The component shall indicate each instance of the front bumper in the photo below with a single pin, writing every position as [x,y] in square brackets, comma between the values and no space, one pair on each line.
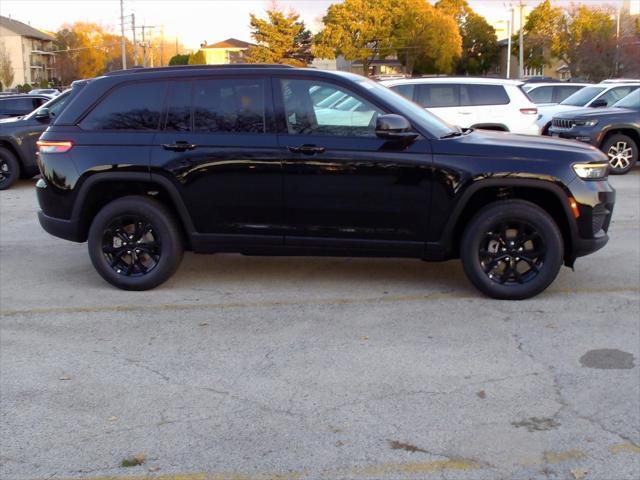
[581,135]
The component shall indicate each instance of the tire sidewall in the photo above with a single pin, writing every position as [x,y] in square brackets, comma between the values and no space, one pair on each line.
[634,149]
[514,210]
[14,168]
[163,224]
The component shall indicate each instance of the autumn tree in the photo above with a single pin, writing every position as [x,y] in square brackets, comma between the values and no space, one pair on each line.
[583,37]
[6,68]
[197,58]
[281,38]
[179,59]
[426,40]
[360,30]
[479,41]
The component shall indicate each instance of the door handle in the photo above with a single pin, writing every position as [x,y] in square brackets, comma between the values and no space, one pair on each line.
[179,146]
[465,112]
[307,149]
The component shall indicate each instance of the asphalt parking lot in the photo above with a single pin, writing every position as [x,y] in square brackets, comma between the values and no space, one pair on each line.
[261,368]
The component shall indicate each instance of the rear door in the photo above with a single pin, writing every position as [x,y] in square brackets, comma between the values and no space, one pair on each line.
[489,104]
[221,152]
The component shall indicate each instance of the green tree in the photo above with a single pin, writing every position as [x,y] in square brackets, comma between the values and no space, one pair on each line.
[179,60]
[198,58]
[357,29]
[281,38]
[426,40]
[479,42]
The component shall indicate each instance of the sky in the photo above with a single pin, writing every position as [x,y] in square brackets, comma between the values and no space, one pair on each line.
[197,21]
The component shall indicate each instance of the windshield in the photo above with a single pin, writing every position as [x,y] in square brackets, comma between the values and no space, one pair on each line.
[431,123]
[630,101]
[583,96]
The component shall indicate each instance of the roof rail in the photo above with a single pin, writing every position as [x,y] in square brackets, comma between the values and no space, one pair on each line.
[195,67]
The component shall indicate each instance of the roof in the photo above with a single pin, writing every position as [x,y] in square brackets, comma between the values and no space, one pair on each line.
[23,29]
[474,80]
[229,43]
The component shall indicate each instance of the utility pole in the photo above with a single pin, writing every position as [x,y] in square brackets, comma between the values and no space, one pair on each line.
[122,44]
[617,69]
[521,49]
[135,42]
[161,45]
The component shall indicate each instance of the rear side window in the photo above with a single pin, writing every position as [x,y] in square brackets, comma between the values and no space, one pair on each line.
[476,95]
[134,106]
[229,105]
[560,93]
[405,90]
[438,95]
[541,95]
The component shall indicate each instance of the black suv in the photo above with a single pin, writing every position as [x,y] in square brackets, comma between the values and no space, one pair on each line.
[615,130]
[272,160]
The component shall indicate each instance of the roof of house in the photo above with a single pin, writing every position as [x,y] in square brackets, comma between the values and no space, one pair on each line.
[23,29]
[229,43]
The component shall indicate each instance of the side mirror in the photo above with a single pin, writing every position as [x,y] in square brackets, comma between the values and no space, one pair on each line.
[599,103]
[395,127]
[43,114]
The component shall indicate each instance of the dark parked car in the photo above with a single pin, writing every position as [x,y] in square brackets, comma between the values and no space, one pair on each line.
[18,138]
[615,130]
[18,105]
[145,163]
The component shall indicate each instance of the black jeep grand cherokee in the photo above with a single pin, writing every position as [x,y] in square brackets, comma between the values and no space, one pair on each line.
[271,160]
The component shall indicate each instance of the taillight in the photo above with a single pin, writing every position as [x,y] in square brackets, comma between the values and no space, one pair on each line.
[45,146]
[529,111]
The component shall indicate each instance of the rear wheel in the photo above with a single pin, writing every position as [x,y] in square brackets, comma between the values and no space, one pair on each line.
[622,152]
[135,243]
[512,250]
[9,169]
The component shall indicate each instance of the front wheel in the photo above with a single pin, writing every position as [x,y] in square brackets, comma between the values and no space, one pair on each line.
[9,169]
[622,152]
[512,250]
[135,243]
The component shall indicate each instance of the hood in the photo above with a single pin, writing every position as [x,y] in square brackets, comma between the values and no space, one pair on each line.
[513,147]
[595,112]
[10,120]
[551,110]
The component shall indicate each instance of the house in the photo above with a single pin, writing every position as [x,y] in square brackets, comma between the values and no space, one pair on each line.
[227,51]
[30,52]
[557,70]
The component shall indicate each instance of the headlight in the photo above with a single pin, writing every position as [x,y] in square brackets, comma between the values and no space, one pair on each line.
[585,123]
[591,171]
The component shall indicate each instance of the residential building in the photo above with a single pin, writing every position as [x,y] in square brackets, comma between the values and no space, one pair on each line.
[227,51]
[30,51]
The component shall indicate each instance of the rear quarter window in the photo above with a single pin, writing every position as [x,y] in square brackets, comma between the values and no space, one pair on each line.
[133,106]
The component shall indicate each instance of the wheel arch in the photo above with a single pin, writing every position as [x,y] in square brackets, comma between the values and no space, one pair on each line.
[623,130]
[548,196]
[98,190]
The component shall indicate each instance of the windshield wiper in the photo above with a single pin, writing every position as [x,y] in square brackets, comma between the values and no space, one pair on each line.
[451,134]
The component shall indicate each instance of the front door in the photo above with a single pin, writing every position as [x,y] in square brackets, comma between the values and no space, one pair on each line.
[223,155]
[342,184]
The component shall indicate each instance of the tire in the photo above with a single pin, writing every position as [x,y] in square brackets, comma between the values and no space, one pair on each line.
[135,243]
[9,169]
[622,152]
[511,250]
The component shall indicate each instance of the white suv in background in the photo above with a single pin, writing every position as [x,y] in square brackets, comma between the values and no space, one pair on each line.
[600,95]
[551,93]
[486,103]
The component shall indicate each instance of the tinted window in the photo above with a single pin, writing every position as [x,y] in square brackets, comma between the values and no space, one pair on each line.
[135,106]
[483,95]
[560,93]
[615,94]
[19,105]
[229,105]
[340,112]
[179,107]
[630,101]
[405,90]
[541,95]
[438,95]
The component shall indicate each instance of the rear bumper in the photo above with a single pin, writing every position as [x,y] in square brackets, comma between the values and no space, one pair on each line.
[58,227]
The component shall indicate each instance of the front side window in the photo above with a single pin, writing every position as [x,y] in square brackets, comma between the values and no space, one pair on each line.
[133,106]
[630,101]
[18,105]
[582,96]
[615,94]
[229,105]
[337,111]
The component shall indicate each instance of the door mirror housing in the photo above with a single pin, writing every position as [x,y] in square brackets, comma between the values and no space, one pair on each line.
[599,103]
[43,114]
[395,127]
